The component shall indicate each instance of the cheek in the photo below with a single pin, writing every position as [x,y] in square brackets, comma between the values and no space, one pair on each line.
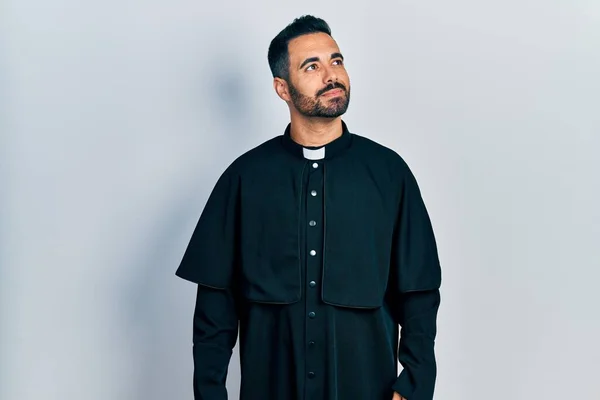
[344,77]
[310,88]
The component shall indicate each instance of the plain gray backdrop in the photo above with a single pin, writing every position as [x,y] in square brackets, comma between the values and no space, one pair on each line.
[117,117]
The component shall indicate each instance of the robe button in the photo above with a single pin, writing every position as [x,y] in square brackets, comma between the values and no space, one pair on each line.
[313,253]
[311,343]
[315,165]
[312,283]
[311,374]
[311,314]
[313,192]
[312,223]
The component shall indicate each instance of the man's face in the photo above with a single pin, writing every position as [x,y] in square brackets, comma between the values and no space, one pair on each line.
[319,85]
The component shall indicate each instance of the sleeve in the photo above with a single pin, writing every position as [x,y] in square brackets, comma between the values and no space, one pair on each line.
[415,279]
[210,261]
[215,335]
[417,317]
[210,257]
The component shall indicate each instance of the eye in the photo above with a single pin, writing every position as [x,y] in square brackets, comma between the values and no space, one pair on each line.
[311,66]
[340,62]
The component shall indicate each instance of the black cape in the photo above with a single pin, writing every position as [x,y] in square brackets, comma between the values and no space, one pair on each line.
[318,262]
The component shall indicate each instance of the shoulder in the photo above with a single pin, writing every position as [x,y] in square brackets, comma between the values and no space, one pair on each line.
[388,164]
[377,153]
[254,157]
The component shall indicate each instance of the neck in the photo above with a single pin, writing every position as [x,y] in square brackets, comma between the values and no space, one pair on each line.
[315,132]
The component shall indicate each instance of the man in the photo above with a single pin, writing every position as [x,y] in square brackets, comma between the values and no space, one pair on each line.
[318,243]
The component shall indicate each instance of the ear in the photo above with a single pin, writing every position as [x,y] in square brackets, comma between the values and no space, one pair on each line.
[282,90]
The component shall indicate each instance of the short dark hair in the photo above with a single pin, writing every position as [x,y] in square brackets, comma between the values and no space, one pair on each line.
[278,56]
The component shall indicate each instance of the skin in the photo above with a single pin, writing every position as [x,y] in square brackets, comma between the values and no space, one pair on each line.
[398,397]
[316,65]
[315,114]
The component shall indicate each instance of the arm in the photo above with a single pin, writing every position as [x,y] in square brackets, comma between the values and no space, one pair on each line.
[417,314]
[415,279]
[215,335]
[210,261]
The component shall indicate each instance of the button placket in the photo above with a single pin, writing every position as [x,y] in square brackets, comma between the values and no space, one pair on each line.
[314,237]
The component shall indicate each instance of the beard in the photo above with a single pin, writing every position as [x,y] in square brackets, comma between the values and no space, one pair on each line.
[321,107]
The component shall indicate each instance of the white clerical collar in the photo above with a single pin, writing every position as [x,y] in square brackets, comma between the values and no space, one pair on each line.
[314,154]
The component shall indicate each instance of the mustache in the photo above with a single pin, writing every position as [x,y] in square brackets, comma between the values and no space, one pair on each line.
[336,85]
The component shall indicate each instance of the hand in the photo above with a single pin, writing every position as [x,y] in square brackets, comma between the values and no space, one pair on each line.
[398,397]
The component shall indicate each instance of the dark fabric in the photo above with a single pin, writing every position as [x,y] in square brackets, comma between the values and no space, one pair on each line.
[417,314]
[375,267]
[215,335]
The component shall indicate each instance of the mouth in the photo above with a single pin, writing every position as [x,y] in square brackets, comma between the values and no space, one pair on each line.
[333,92]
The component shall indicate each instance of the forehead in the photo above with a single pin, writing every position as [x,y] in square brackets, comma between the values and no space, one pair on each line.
[311,45]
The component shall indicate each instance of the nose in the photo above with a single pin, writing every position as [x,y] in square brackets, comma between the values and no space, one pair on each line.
[330,75]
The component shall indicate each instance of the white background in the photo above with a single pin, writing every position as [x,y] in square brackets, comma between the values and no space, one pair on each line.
[117,117]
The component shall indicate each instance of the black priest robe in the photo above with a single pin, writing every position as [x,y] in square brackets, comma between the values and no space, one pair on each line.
[325,259]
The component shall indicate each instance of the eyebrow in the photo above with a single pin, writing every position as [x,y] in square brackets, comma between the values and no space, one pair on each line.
[313,59]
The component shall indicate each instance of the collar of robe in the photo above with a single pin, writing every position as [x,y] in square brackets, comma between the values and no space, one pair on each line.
[331,149]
